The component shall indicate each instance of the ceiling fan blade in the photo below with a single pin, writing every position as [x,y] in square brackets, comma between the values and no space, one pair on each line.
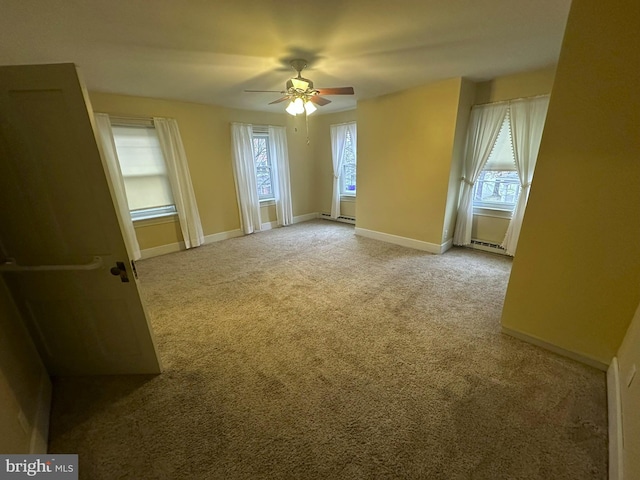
[319,100]
[336,91]
[279,100]
[265,91]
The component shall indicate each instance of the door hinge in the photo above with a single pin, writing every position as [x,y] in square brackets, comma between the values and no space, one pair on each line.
[133,269]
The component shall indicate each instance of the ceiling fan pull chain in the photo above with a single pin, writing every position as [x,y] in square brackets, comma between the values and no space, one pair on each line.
[306,121]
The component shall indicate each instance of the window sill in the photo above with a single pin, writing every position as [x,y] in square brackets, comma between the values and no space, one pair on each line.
[492,212]
[267,202]
[156,220]
[347,198]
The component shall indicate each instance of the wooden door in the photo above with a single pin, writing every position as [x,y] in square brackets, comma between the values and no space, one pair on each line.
[56,209]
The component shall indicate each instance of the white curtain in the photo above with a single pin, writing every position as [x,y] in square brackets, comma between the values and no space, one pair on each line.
[279,155]
[244,174]
[180,180]
[108,148]
[527,119]
[484,126]
[338,137]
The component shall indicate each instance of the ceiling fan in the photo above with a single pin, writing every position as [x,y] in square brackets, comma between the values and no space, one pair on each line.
[302,95]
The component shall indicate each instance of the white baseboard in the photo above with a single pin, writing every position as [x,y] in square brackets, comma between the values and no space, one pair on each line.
[306,217]
[555,349]
[614,407]
[217,237]
[268,226]
[341,218]
[299,219]
[404,241]
[178,246]
[161,250]
[40,433]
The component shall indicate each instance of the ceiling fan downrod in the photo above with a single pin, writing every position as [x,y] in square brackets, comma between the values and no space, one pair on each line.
[298,64]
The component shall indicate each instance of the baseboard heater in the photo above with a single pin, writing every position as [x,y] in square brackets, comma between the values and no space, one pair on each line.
[341,218]
[488,246]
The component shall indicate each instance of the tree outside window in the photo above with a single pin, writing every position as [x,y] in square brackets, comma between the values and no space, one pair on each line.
[264,170]
[348,180]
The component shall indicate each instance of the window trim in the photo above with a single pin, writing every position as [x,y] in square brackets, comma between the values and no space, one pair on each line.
[153,212]
[492,212]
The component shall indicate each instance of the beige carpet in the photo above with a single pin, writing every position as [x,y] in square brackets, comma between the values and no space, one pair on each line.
[307,352]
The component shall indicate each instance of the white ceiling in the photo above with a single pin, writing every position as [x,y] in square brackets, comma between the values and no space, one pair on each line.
[211,51]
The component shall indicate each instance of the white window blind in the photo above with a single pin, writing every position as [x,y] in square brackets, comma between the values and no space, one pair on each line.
[143,170]
[502,157]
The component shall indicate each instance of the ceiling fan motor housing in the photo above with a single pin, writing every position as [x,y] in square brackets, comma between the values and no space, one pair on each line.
[299,84]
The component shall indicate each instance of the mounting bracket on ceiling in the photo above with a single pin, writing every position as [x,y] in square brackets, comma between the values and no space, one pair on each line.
[298,64]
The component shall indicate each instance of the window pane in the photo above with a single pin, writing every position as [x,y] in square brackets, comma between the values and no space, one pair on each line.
[143,168]
[497,189]
[348,177]
[264,173]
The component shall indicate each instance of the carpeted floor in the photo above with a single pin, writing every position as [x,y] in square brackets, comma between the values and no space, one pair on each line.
[307,352]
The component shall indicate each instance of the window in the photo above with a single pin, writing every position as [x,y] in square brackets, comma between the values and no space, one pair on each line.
[144,171]
[348,177]
[264,170]
[498,185]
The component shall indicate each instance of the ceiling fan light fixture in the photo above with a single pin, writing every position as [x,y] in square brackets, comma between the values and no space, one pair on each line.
[295,107]
[299,105]
[291,108]
[309,107]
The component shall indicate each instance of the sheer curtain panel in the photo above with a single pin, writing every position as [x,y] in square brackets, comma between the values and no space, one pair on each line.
[180,180]
[484,126]
[245,177]
[338,136]
[527,117]
[279,152]
[110,156]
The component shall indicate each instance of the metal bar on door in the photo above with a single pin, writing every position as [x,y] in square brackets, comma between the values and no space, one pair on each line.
[11,266]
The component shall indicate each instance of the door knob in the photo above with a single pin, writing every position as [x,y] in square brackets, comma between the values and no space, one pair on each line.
[120,271]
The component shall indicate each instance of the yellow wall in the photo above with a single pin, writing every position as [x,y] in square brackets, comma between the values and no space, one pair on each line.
[518,85]
[268,213]
[405,150]
[206,134]
[22,376]
[490,228]
[156,232]
[628,359]
[574,282]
